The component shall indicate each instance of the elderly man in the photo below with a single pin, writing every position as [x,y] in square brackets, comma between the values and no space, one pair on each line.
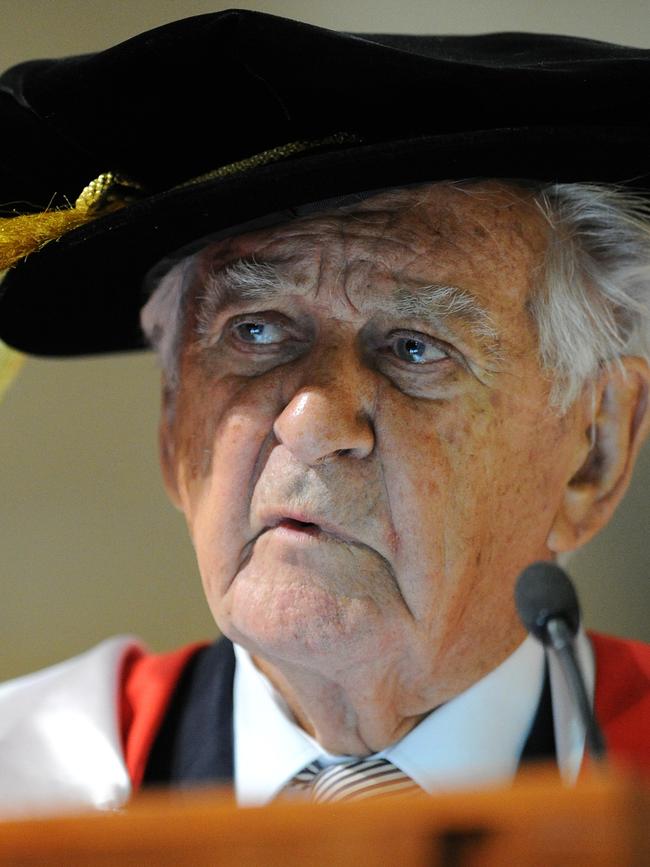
[387,390]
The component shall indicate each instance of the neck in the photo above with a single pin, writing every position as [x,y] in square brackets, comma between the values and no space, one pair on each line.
[344,720]
[354,705]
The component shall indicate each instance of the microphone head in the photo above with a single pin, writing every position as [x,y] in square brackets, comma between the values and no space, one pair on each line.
[543,592]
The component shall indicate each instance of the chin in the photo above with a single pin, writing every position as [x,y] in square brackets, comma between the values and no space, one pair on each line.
[306,626]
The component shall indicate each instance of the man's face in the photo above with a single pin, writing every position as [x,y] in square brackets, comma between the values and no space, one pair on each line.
[363,445]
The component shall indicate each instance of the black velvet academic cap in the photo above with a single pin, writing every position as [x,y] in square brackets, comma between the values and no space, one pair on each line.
[370,112]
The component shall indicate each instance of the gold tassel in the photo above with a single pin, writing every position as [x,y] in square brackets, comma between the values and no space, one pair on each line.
[27,233]
[20,236]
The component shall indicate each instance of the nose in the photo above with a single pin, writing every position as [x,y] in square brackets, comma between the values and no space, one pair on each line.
[327,419]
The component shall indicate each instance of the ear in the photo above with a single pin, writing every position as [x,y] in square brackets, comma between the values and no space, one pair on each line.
[167,447]
[614,419]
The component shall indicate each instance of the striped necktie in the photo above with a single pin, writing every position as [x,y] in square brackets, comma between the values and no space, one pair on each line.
[352,781]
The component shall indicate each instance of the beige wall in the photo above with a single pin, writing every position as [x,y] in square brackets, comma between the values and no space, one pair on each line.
[89,545]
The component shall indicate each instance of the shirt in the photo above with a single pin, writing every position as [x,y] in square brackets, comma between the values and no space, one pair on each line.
[474,739]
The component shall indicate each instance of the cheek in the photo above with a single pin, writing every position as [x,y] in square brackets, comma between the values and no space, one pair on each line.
[522,462]
[222,420]
[434,482]
[430,454]
[219,450]
[197,417]
[471,495]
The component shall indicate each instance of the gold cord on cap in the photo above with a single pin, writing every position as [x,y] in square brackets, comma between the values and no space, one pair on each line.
[273,155]
[107,192]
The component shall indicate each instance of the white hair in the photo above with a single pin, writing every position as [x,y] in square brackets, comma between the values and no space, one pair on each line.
[162,318]
[591,305]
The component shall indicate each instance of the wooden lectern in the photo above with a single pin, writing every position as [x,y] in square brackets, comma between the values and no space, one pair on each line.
[604,821]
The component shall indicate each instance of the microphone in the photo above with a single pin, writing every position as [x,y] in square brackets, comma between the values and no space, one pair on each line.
[548,607]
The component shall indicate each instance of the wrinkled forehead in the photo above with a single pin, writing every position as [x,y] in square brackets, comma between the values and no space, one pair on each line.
[399,228]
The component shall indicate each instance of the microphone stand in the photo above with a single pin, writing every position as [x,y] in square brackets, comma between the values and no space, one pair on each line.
[560,640]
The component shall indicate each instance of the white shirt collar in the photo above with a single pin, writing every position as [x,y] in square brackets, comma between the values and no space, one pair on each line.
[474,739]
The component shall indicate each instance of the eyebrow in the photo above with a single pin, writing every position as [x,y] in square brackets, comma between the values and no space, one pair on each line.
[246,279]
[437,302]
[251,280]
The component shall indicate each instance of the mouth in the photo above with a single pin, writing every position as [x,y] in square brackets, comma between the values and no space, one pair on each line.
[296,530]
[297,526]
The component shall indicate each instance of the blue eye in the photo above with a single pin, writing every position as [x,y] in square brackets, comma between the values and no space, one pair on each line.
[259,333]
[416,350]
